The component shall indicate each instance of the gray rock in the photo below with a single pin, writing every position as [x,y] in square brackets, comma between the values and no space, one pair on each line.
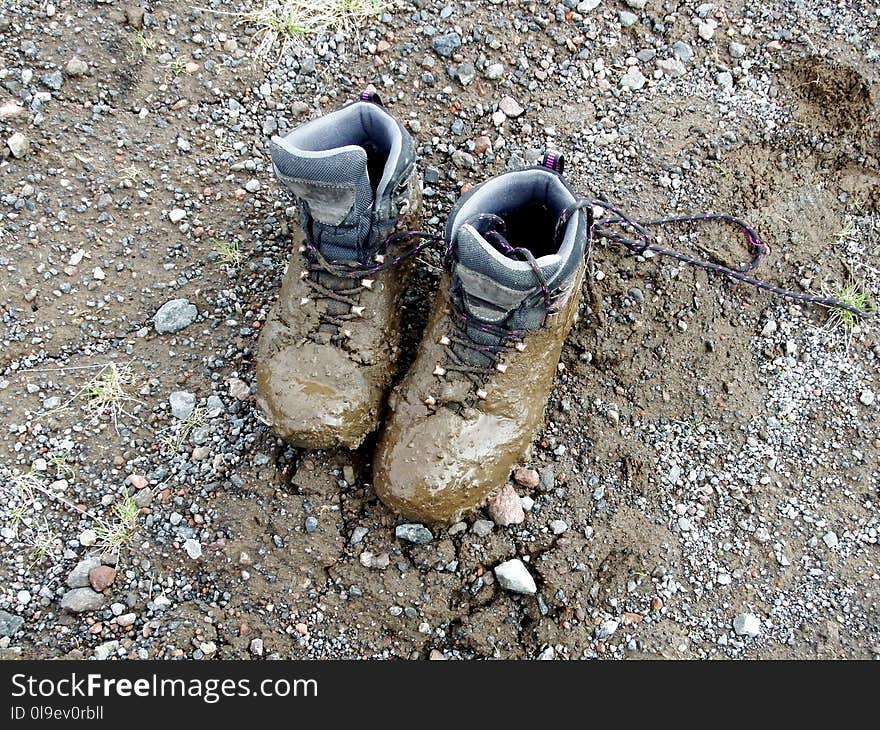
[311,524]
[414,532]
[706,29]
[482,528]
[173,316]
[627,18]
[830,539]
[76,67]
[637,4]
[633,79]
[357,535]
[867,397]
[18,145]
[671,67]
[182,404]
[682,51]
[446,44]
[10,623]
[466,73]
[54,80]
[78,600]
[513,576]
[724,79]
[79,576]
[736,50]
[193,548]
[606,629]
[494,71]
[104,651]
[252,185]
[747,624]
[510,107]
[462,159]
[587,5]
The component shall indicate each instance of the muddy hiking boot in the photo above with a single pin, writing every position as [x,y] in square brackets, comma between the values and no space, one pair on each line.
[329,346]
[475,396]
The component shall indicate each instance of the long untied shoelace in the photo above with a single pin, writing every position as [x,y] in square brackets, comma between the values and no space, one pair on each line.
[609,228]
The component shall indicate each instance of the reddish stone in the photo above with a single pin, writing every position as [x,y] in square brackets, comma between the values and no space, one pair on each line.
[101,577]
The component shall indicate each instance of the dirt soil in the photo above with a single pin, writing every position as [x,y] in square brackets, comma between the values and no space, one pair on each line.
[709,455]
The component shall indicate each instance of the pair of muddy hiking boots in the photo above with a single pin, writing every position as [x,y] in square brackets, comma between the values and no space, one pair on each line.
[474,397]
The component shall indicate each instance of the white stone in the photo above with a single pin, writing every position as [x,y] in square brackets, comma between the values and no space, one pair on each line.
[747,624]
[513,576]
[177,215]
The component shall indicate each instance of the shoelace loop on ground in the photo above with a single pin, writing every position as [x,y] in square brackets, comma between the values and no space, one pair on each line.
[758,249]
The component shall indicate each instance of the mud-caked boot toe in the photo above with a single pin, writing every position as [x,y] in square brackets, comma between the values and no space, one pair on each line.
[329,347]
[474,398]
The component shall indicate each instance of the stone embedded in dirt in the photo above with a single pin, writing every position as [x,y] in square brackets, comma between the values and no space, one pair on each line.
[528,478]
[193,548]
[18,145]
[138,481]
[585,6]
[174,315]
[10,623]
[144,497]
[633,79]
[76,67]
[252,185]
[557,527]
[637,4]
[747,624]
[238,389]
[482,528]
[446,44]
[177,215]
[511,107]
[256,647]
[54,80]
[867,397]
[104,651]
[357,535]
[87,538]
[482,144]
[414,532]
[101,577]
[182,404]
[79,600]
[466,73]
[671,67]
[494,71]
[126,619]
[513,576]
[606,629]
[682,51]
[79,576]
[463,160]
[505,508]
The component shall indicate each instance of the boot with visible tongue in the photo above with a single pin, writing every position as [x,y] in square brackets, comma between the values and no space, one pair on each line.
[329,346]
[474,398]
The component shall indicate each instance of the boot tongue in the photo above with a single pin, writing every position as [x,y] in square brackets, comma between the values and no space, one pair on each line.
[493,289]
[334,186]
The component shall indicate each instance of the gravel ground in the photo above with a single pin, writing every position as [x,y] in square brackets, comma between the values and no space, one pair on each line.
[706,481]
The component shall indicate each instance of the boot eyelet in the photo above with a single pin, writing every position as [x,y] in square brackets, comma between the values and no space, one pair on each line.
[367,283]
[444,340]
[501,367]
[358,311]
[520,346]
[430,401]
[439,370]
[380,259]
[303,301]
[481,394]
